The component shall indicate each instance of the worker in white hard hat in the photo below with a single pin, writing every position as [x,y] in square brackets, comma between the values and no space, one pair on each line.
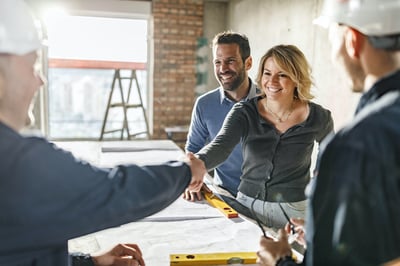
[354,213]
[46,195]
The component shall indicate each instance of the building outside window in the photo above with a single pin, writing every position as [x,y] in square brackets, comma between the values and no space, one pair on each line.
[78,87]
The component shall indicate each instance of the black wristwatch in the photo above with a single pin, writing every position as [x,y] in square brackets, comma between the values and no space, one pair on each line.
[81,259]
[287,260]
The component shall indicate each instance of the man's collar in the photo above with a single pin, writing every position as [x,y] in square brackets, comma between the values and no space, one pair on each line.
[254,91]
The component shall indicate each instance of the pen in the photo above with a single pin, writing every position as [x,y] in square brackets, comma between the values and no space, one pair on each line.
[288,219]
[256,218]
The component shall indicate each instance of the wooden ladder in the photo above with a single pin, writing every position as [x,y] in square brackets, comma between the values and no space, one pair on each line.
[124,105]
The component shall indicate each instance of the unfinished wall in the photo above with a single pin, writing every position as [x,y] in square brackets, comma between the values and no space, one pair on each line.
[271,22]
[215,21]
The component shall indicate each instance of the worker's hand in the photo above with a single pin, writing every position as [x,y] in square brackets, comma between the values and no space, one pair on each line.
[195,196]
[272,250]
[198,169]
[120,255]
[299,229]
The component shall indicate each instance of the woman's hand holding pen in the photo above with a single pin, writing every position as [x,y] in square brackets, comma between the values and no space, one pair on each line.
[271,250]
[297,225]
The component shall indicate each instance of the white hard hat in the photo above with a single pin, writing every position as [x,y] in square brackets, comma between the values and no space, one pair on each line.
[370,17]
[18,34]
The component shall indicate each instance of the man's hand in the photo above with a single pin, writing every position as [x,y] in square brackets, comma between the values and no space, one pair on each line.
[198,169]
[272,250]
[195,196]
[120,255]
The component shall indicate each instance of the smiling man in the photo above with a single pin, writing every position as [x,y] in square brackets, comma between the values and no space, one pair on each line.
[232,61]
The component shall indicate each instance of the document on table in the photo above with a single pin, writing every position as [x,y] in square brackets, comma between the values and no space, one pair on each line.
[139,146]
[139,152]
[185,210]
[112,153]
[183,227]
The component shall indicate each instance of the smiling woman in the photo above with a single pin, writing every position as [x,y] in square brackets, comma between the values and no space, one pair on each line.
[276,151]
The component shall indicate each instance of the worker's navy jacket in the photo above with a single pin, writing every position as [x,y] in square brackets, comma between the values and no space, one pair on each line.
[355,202]
[47,197]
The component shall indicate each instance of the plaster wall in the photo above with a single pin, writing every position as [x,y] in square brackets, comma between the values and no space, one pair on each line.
[215,21]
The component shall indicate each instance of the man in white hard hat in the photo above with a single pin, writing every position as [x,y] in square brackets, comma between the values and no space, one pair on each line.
[46,195]
[355,197]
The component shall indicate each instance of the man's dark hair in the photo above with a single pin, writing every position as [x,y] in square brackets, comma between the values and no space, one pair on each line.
[228,37]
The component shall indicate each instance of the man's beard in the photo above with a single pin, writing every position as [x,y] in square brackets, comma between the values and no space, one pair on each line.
[236,82]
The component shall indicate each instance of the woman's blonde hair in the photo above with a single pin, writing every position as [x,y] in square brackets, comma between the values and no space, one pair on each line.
[292,61]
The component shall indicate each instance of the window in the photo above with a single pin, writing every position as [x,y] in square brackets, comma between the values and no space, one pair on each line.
[83,52]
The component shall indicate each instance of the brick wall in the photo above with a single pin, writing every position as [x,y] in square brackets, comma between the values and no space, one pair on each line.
[176,30]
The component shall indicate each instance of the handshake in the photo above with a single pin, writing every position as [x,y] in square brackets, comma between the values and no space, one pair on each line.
[198,169]
[194,191]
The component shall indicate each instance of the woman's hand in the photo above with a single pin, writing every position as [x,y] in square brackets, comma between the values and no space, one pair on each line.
[272,250]
[299,229]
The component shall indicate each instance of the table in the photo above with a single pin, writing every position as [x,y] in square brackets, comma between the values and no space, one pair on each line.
[110,153]
[178,134]
[182,228]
